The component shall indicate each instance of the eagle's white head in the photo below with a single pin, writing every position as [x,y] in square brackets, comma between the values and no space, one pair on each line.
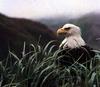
[72,35]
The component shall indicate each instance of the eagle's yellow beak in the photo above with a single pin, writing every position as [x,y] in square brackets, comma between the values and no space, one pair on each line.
[61,31]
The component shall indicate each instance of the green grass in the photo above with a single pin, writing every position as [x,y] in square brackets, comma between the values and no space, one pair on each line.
[37,68]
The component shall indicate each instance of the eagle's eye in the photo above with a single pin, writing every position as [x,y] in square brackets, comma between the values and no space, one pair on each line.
[68,28]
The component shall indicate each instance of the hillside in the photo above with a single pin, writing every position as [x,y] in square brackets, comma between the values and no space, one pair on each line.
[14,31]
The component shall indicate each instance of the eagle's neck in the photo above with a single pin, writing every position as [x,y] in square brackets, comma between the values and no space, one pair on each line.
[72,42]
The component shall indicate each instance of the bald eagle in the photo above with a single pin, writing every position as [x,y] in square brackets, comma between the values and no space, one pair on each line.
[73,47]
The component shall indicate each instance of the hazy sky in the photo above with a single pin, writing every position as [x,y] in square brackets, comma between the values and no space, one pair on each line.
[48,8]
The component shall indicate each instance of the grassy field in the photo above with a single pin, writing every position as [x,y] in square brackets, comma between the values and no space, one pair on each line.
[38,68]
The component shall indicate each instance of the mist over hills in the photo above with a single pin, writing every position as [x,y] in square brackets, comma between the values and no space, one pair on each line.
[54,22]
[89,23]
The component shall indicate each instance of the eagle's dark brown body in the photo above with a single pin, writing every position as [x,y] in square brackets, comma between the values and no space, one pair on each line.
[81,55]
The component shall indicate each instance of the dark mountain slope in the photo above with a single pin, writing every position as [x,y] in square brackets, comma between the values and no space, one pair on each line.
[14,31]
